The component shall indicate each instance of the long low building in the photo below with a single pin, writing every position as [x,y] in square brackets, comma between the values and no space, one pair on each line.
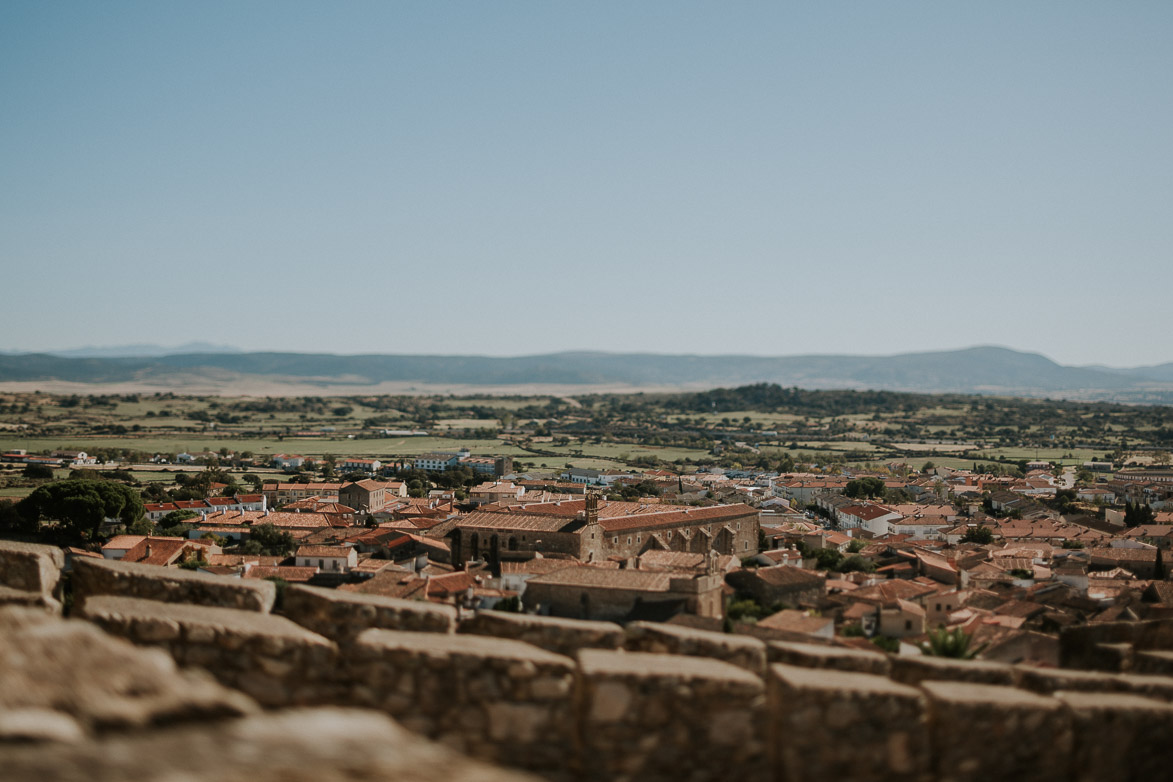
[586,592]
[594,530]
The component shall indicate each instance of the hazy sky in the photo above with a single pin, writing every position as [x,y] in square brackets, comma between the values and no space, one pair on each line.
[511,178]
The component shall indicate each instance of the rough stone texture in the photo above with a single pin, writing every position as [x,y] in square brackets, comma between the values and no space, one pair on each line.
[30,575]
[1049,680]
[170,585]
[652,717]
[914,669]
[342,616]
[31,566]
[830,657]
[984,732]
[495,699]
[1159,687]
[561,636]
[1158,662]
[62,679]
[269,657]
[1119,736]
[310,745]
[740,650]
[20,597]
[1109,645]
[883,727]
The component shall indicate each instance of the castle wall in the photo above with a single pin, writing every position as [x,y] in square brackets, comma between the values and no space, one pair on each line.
[707,710]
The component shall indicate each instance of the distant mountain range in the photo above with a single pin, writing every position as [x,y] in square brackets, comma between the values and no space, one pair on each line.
[142,350]
[979,370]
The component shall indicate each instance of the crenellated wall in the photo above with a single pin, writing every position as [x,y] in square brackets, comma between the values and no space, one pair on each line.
[593,701]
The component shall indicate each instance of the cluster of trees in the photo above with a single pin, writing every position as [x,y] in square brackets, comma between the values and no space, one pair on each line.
[1137,513]
[72,510]
[865,488]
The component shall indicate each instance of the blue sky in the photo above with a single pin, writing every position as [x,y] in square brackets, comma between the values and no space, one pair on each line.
[513,178]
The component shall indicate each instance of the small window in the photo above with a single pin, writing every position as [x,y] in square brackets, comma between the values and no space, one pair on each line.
[629,540]
[938,606]
[747,545]
[615,539]
[907,624]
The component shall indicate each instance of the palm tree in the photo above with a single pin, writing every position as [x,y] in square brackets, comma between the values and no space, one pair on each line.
[950,643]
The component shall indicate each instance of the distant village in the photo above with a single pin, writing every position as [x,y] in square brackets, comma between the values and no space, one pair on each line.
[879,558]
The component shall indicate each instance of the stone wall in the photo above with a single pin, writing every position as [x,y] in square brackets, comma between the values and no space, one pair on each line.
[831,657]
[829,724]
[711,709]
[66,680]
[275,661]
[345,615]
[740,650]
[1111,646]
[665,717]
[169,585]
[30,575]
[495,699]
[322,745]
[561,636]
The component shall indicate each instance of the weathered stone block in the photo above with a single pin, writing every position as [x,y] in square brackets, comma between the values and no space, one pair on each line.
[984,732]
[1153,662]
[740,650]
[1106,645]
[68,678]
[344,615]
[914,669]
[322,745]
[561,636]
[274,660]
[169,585]
[21,597]
[495,699]
[883,725]
[1049,680]
[31,567]
[668,717]
[1119,736]
[829,657]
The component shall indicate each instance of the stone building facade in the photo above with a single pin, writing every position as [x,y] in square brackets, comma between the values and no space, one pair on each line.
[594,530]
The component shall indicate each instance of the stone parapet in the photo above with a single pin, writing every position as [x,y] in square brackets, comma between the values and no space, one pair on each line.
[914,669]
[322,745]
[653,717]
[1110,645]
[983,732]
[169,585]
[268,657]
[828,657]
[1119,736]
[1050,680]
[1153,661]
[63,680]
[30,575]
[21,597]
[883,725]
[740,650]
[561,636]
[494,699]
[342,616]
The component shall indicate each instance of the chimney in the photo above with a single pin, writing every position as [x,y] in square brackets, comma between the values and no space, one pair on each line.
[148,555]
[592,508]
